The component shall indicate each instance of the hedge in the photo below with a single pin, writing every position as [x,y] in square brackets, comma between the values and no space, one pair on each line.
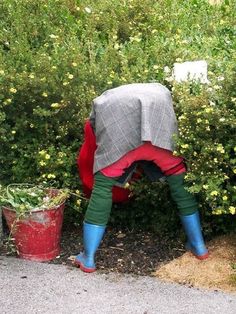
[57,55]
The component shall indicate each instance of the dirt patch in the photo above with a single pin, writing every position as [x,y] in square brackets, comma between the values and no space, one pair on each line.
[127,251]
[218,272]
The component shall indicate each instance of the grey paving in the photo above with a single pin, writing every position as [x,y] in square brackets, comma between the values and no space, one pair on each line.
[29,287]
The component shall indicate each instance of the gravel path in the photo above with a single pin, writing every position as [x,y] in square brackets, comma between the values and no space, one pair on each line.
[29,287]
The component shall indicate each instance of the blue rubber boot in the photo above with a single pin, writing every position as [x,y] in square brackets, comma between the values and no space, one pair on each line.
[192,227]
[92,236]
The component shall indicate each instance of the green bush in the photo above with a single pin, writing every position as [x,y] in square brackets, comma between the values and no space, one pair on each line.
[57,55]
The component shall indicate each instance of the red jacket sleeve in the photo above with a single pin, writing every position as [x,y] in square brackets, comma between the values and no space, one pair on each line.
[85,160]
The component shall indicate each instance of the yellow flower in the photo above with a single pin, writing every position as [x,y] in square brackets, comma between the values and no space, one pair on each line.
[205,186]
[31,76]
[44,94]
[135,38]
[70,76]
[13,132]
[65,83]
[220,149]
[234,170]
[74,64]
[116,46]
[217,211]
[232,210]
[88,10]
[47,156]
[13,90]
[214,193]
[127,185]
[61,154]
[78,202]
[1,72]
[51,176]
[55,105]
[225,198]
[208,110]
[178,60]
[52,36]
[42,163]
[42,152]
[184,145]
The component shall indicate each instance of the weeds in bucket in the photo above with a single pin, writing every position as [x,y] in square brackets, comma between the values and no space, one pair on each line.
[25,199]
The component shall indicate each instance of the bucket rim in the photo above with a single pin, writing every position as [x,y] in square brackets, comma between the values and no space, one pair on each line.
[34,210]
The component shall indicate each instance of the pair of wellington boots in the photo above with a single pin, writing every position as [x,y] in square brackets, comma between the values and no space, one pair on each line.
[93,234]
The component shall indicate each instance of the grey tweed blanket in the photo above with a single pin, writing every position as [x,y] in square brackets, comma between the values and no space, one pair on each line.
[125,117]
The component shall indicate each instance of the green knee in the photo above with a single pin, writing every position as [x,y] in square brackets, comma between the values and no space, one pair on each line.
[99,208]
[186,202]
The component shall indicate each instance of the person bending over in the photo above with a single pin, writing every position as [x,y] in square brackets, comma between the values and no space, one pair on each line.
[132,124]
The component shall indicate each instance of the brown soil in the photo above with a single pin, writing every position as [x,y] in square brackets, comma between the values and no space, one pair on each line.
[144,253]
[127,251]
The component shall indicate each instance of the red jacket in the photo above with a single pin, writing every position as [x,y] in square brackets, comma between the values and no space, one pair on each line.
[85,159]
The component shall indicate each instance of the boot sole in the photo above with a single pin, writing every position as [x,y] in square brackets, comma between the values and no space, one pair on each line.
[83,268]
[201,257]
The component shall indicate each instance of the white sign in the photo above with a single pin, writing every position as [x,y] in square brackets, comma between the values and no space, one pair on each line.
[191,70]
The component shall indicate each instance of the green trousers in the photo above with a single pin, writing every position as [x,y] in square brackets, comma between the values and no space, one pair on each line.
[99,208]
[186,202]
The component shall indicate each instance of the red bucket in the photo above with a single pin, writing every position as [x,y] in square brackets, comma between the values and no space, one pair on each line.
[37,236]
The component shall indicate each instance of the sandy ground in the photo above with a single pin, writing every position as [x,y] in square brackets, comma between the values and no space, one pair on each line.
[218,272]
